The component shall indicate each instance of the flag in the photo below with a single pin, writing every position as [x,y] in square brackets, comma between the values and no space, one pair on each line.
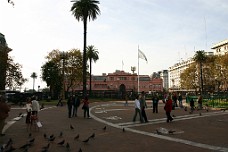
[142,55]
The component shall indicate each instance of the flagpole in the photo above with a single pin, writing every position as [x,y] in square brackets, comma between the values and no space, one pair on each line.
[138,68]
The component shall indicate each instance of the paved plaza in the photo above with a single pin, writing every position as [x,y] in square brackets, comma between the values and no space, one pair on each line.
[113,130]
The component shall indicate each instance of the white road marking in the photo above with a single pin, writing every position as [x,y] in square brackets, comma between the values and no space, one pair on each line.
[185,117]
[12,121]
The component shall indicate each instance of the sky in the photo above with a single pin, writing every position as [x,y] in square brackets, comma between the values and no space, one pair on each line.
[166,31]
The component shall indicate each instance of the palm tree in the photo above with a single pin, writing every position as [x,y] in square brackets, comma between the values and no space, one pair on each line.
[199,58]
[34,76]
[92,55]
[84,10]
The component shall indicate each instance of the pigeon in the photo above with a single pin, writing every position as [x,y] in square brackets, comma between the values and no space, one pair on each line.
[223,109]
[44,150]
[171,131]
[86,141]
[51,136]
[200,114]
[80,150]
[45,136]
[46,147]
[10,141]
[123,129]
[30,135]
[92,136]
[104,128]
[207,110]
[76,137]
[67,146]
[51,139]
[61,134]
[32,140]
[25,146]
[174,116]
[10,149]
[61,142]
[71,127]
[20,114]
[158,132]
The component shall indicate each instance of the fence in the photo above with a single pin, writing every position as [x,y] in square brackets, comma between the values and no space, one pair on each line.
[215,101]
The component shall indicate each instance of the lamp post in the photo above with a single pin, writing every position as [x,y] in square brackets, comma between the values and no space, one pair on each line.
[63,56]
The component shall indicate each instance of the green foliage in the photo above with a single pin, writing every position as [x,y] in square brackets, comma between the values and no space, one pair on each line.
[14,77]
[62,65]
[214,73]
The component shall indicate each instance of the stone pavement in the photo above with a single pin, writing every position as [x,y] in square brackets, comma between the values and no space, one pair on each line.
[201,131]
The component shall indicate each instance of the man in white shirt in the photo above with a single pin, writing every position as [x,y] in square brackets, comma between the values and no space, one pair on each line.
[137,109]
[35,106]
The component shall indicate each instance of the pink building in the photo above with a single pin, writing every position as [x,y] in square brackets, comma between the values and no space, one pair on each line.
[124,82]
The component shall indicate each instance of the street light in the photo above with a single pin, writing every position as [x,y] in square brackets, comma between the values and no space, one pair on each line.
[63,56]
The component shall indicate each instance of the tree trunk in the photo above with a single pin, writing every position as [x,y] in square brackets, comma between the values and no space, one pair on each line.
[90,76]
[33,85]
[84,58]
[201,78]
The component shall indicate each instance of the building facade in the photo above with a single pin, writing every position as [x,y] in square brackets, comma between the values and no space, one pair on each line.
[220,48]
[124,82]
[164,74]
[175,72]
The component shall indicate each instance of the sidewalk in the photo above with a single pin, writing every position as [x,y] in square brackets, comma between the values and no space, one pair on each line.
[209,129]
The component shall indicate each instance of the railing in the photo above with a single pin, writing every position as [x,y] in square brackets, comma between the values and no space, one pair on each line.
[215,101]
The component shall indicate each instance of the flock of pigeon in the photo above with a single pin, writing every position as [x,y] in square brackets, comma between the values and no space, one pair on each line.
[51,139]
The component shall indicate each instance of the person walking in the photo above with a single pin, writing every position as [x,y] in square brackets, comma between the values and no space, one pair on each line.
[76,104]
[85,107]
[35,109]
[192,105]
[4,113]
[180,100]
[155,101]
[137,109]
[28,106]
[60,101]
[168,109]
[174,99]
[35,106]
[200,102]
[126,100]
[143,105]
[69,106]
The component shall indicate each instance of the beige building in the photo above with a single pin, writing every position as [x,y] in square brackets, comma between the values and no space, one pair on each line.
[175,72]
[220,48]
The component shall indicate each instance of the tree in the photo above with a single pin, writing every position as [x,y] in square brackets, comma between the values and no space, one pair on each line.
[188,78]
[92,56]
[14,77]
[70,64]
[51,75]
[4,50]
[73,69]
[33,76]
[84,10]
[199,58]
